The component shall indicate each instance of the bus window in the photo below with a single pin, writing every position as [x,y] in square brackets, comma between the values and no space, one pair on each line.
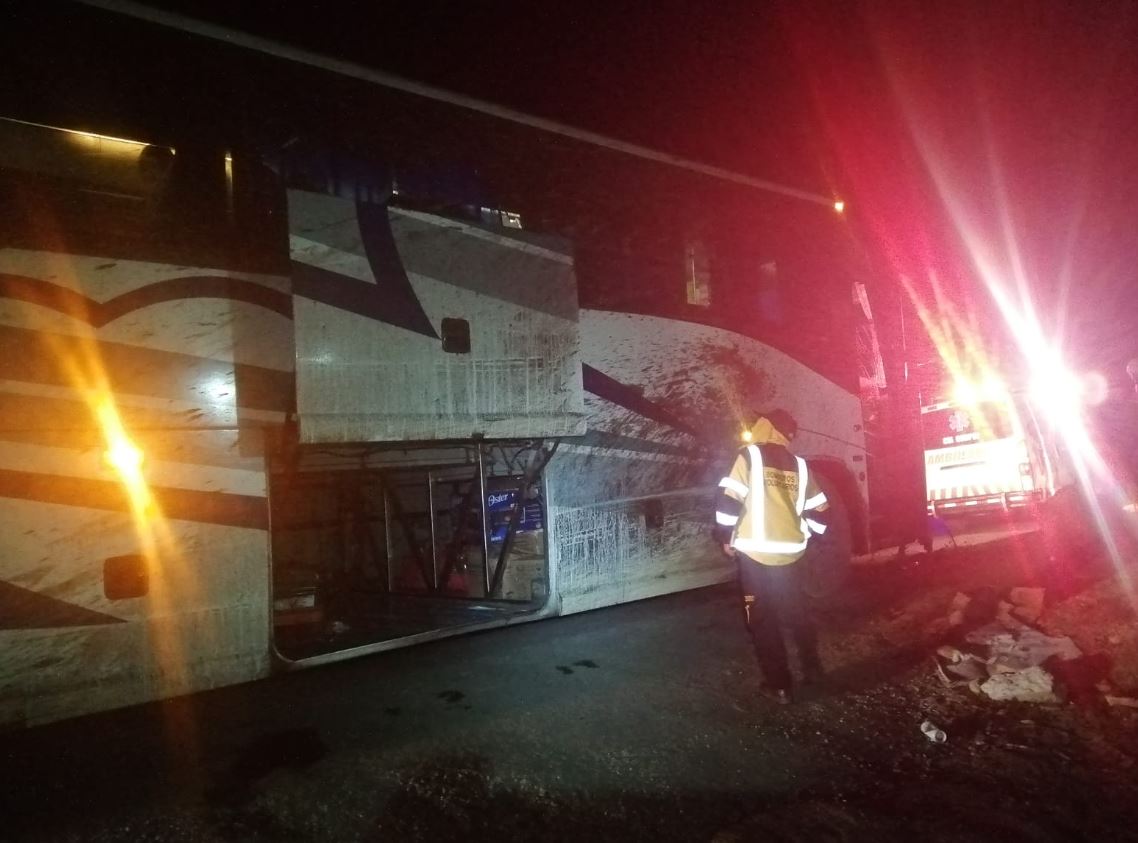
[78,187]
[697,273]
[770,299]
[87,193]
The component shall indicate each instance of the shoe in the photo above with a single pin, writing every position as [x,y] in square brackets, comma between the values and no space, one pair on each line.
[777,695]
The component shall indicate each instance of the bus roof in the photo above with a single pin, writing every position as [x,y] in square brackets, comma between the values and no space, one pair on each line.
[266,46]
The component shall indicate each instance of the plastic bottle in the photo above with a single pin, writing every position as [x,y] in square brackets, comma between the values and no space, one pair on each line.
[933,732]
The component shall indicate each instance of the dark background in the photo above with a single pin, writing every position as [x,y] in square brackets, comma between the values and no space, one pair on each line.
[963,133]
[976,142]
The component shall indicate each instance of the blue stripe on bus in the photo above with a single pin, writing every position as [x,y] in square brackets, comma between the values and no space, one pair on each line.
[630,398]
[21,608]
[223,508]
[97,314]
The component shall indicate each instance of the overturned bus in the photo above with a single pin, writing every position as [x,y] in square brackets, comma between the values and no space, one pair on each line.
[269,410]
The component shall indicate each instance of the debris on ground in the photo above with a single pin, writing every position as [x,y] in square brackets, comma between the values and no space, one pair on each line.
[1017,608]
[996,650]
[1128,702]
[1005,664]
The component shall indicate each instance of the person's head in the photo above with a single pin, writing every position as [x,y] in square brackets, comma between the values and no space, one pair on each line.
[782,421]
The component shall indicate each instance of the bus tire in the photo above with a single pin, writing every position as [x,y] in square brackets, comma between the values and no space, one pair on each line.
[827,557]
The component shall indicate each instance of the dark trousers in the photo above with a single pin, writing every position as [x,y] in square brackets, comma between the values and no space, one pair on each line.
[779,602]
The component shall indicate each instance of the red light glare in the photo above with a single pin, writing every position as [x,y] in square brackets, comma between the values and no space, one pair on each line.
[1095,388]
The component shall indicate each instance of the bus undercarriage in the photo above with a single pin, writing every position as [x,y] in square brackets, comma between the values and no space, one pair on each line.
[371,544]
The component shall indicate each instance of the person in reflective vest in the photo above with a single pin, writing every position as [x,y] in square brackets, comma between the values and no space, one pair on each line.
[769,507]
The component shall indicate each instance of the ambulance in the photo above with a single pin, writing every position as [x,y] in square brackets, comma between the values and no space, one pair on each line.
[985,450]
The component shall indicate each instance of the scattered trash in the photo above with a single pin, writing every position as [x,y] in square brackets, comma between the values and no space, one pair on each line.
[1128,702]
[1016,608]
[933,732]
[1032,684]
[1006,664]
[957,667]
[969,610]
[1021,605]
[996,651]
[1013,650]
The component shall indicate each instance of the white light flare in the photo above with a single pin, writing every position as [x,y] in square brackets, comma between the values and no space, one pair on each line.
[964,392]
[1059,395]
[124,457]
[970,393]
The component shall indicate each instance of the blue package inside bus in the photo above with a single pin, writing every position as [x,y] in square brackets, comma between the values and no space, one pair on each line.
[498,504]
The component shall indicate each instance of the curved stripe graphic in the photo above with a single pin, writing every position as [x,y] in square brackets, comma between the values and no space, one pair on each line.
[97,314]
[394,303]
[387,266]
[21,608]
[141,371]
[604,386]
[223,508]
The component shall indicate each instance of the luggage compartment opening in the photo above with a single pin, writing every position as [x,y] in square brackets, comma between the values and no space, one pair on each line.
[375,543]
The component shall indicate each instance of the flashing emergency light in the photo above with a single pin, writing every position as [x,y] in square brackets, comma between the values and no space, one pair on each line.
[1062,391]
[989,388]
[965,392]
[124,456]
[746,436]
[839,206]
[992,387]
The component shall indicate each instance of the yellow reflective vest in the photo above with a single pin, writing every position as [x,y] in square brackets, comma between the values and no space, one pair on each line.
[771,503]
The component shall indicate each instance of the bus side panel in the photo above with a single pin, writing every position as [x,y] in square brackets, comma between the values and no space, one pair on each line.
[69,650]
[415,327]
[122,585]
[653,539]
[712,380]
[631,505]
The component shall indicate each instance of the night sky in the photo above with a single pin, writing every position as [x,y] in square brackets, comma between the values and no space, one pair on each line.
[973,140]
[1002,130]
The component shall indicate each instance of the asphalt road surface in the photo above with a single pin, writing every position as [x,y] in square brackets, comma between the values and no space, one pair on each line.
[641,722]
[637,703]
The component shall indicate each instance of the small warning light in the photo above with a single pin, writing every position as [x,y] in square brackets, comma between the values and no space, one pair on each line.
[839,206]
